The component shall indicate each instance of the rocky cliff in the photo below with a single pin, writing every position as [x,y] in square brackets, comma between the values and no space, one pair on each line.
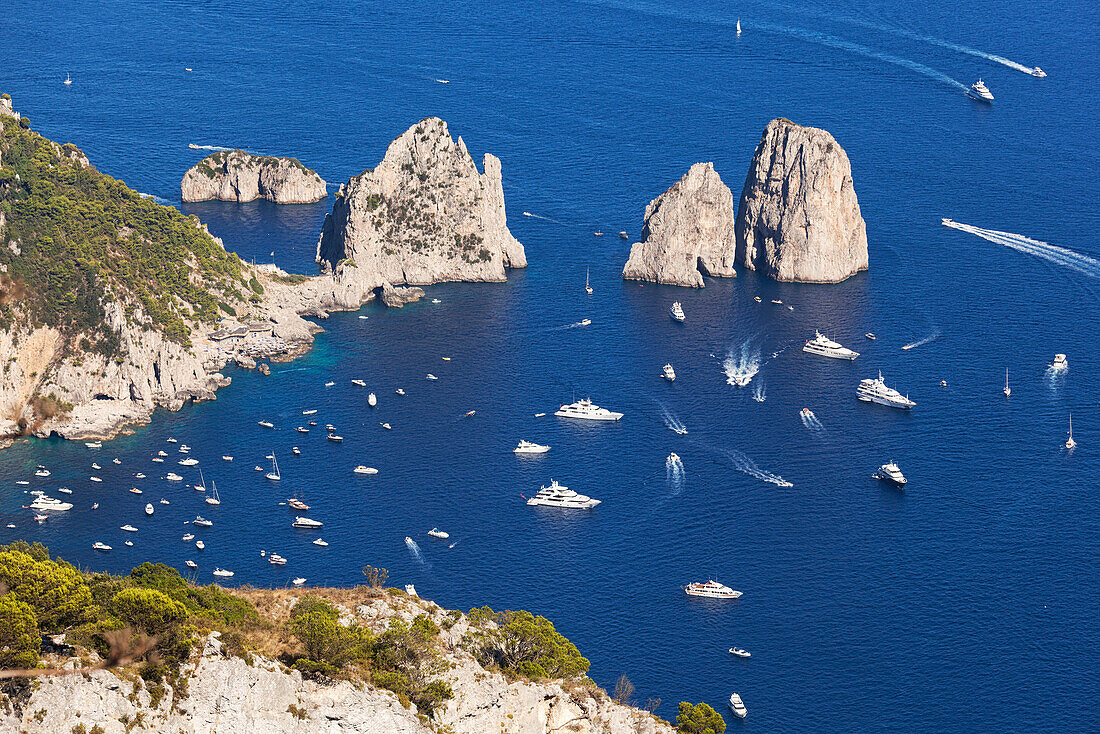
[239,176]
[423,215]
[688,232]
[226,691]
[798,219]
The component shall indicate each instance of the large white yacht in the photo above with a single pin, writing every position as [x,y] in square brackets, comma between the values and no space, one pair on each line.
[737,706]
[677,312]
[42,502]
[668,373]
[305,522]
[529,447]
[876,391]
[584,409]
[711,589]
[826,347]
[979,91]
[889,472]
[558,495]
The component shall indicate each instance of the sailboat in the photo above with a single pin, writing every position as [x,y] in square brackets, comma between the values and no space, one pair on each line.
[68,81]
[1008,390]
[587,287]
[1070,443]
[274,474]
[739,26]
[215,499]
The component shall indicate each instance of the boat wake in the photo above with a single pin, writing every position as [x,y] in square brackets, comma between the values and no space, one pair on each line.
[760,391]
[157,199]
[1052,253]
[414,549]
[741,365]
[674,473]
[546,219]
[672,423]
[811,421]
[744,464]
[945,44]
[923,340]
[192,146]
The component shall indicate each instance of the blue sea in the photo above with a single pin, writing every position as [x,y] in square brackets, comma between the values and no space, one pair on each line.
[968,602]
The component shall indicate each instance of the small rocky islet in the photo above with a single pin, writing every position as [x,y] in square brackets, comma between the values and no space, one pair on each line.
[236,175]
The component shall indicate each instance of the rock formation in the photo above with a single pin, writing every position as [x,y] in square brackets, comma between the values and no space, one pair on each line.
[239,176]
[225,693]
[798,219]
[423,215]
[688,232]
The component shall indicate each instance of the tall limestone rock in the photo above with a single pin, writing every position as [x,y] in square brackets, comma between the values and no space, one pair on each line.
[799,219]
[423,215]
[239,176]
[688,232]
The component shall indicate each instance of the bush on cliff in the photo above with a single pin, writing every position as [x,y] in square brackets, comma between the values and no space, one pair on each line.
[699,719]
[19,637]
[54,589]
[525,645]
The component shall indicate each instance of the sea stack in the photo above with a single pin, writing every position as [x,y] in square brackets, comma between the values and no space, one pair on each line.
[799,220]
[688,232]
[423,215]
[235,175]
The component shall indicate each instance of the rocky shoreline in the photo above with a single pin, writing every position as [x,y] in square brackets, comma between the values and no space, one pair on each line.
[240,176]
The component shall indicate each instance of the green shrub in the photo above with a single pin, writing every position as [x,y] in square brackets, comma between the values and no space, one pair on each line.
[699,719]
[19,637]
[148,610]
[54,589]
[526,645]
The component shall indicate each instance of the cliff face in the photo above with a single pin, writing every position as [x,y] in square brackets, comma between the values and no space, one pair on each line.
[423,215]
[240,176]
[688,232]
[799,219]
[228,694]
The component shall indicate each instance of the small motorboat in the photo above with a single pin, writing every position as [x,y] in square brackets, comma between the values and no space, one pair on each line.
[187,462]
[164,502]
[64,490]
[321,543]
[1008,390]
[1039,73]
[399,391]
[738,706]
[188,538]
[446,359]
[302,429]
[1060,362]
[149,508]
[129,528]
[329,384]
[139,475]
[870,336]
[586,322]
[328,427]
[222,572]
[360,383]
[296,451]
[95,445]
[313,423]
[200,545]
[171,440]
[42,472]
[190,564]
[431,376]
[333,437]
[739,652]
[95,479]
[312,411]
[372,400]
[943,383]
[364,470]
[470,413]
[387,426]
[276,560]
[96,466]
[668,373]
[539,415]
[130,543]
[437,533]
[299,581]
[201,521]
[173,477]
[162,453]
[623,234]
[597,233]
[158,460]
[757,299]
[100,546]
[777,302]
[267,424]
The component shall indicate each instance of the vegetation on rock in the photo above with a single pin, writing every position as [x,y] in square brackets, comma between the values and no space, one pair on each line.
[699,719]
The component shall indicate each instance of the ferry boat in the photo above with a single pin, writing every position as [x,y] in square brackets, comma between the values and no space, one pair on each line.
[668,373]
[365,470]
[527,447]
[1060,362]
[876,391]
[711,589]
[737,706]
[891,474]
[825,347]
[437,533]
[558,495]
[305,522]
[677,312]
[585,410]
[979,91]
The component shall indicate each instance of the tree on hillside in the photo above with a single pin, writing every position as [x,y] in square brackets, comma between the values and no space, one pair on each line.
[699,719]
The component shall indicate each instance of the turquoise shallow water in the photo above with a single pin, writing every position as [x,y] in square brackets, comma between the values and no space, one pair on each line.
[965,603]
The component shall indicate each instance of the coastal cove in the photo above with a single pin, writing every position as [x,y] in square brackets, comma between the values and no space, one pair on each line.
[931,608]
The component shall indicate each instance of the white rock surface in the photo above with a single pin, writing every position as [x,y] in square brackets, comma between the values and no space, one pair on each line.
[239,176]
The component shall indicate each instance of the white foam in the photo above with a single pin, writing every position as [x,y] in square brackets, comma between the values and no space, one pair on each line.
[1052,253]
[760,391]
[923,340]
[748,466]
[811,421]
[742,364]
[674,473]
[671,421]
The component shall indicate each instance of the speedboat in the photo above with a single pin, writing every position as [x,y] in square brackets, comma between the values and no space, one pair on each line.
[1037,72]
[149,508]
[299,581]
[470,413]
[201,521]
[267,424]
[597,233]
[876,391]
[188,538]
[372,400]
[158,460]
[333,437]
[162,453]
[737,706]
[1008,390]
[623,235]
[870,336]
[96,466]
[558,495]
[296,451]
[1060,362]
[188,462]
[329,384]
[825,347]
[164,501]
[527,447]
[100,546]
[305,522]
[585,410]
[321,543]
[711,589]
[586,322]
[360,383]
[190,564]
[129,528]
[739,652]
[200,545]
[95,479]
[677,312]
[399,391]
[309,412]
[979,91]
[365,470]
[173,477]
[302,429]
[276,560]
[139,475]
[387,426]
[757,299]
[432,377]
[807,414]
[64,490]
[891,474]
[668,373]
[437,533]
[94,445]
[42,472]
[222,572]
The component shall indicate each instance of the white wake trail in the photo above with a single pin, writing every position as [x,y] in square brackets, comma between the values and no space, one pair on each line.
[742,364]
[760,391]
[674,473]
[811,421]
[547,219]
[923,340]
[946,44]
[672,423]
[192,146]
[748,466]
[414,549]
[1037,248]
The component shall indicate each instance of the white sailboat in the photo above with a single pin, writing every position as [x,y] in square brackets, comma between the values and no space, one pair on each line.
[1070,443]
[215,499]
[587,287]
[68,80]
[739,26]
[1008,390]
[274,474]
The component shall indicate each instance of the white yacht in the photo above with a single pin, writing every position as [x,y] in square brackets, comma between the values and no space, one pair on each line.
[42,503]
[740,652]
[876,391]
[312,411]
[95,479]
[890,473]
[1008,390]
[1037,72]
[296,451]
[365,470]
[93,444]
[227,457]
[200,545]
[299,581]
[191,564]
[139,475]
[135,490]
[711,589]
[149,508]
[360,383]
[276,560]
[305,522]
[222,572]
[825,347]
[737,706]
[437,533]
[267,424]
[201,521]
[979,91]
[558,495]
[321,543]
[302,429]
[188,461]
[372,400]
[431,376]
[129,528]
[677,312]
[42,471]
[335,438]
[188,537]
[668,373]
[585,410]
[527,447]
[1060,362]
[173,477]
[100,546]
[399,391]
[1070,443]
